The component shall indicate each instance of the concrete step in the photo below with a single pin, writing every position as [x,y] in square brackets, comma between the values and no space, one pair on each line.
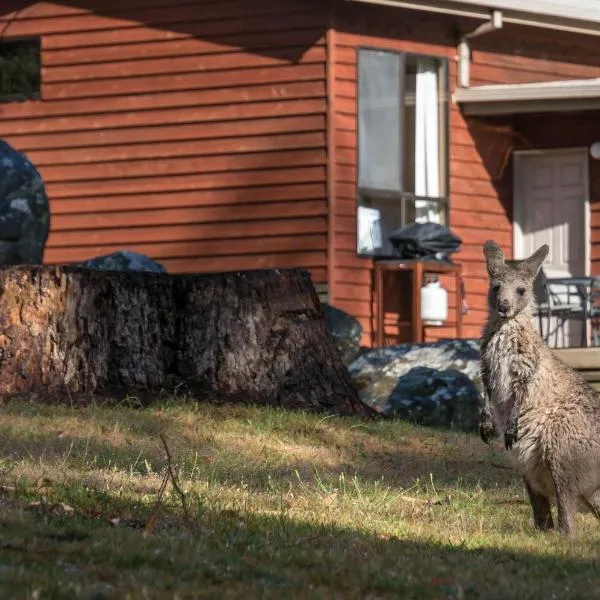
[584,360]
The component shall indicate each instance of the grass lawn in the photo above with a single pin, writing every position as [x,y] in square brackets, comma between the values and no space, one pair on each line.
[276,505]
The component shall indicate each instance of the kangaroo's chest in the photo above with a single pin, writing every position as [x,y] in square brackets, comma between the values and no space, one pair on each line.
[499,357]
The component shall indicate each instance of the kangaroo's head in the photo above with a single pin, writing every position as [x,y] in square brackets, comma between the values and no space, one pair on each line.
[511,281]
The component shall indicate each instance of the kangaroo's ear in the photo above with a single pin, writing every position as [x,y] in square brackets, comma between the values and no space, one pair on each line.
[494,258]
[531,266]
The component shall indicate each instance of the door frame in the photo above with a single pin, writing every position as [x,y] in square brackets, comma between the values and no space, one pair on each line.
[518,195]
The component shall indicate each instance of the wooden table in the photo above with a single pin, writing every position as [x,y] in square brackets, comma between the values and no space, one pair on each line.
[418,269]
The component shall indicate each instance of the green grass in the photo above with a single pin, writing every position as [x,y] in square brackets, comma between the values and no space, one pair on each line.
[279,505]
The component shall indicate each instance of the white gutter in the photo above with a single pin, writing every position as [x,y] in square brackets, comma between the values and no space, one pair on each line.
[435,7]
[582,11]
[555,16]
[502,99]
[464,51]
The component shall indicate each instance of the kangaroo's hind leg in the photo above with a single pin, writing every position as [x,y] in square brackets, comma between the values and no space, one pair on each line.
[566,501]
[542,516]
[593,502]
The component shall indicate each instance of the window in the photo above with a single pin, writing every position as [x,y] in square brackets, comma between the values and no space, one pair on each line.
[402,145]
[19,69]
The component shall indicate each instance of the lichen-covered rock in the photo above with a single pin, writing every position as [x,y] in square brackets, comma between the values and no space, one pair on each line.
[435,384]
[24,209]
[346,332]
[436,398]
[123,260]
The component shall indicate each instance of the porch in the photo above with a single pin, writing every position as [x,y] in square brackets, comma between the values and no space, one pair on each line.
[538,142]
[584,360]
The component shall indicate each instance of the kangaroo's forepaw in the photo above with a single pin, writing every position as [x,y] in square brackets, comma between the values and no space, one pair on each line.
[510,435]
[487,431]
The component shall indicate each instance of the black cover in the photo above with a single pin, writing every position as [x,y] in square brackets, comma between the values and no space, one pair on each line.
[424,241]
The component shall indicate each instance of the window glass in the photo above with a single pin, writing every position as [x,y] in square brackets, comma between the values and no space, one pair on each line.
[402,145]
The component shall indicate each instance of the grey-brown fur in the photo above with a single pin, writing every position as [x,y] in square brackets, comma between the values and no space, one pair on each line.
[547,413]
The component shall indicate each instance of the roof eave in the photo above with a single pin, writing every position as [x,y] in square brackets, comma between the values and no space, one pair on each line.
[517,17]
[512,100]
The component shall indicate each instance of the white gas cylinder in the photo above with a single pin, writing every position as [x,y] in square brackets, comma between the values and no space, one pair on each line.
[434,303]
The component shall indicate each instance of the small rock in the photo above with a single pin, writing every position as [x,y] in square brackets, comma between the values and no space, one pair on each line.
[346,332]
[98,595]
[69,536]
[65,508]
[131,523]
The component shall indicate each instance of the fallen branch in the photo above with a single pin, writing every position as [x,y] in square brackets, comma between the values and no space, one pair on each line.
[168,476]
[173,477]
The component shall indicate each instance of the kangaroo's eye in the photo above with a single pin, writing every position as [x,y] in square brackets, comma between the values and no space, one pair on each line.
[495,288]
[521,291]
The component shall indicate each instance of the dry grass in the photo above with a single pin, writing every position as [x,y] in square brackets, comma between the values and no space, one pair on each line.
[281,505]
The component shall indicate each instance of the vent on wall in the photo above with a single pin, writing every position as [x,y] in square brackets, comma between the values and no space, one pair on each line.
[322,291]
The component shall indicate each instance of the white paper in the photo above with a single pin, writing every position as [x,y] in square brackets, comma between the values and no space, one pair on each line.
[369,229]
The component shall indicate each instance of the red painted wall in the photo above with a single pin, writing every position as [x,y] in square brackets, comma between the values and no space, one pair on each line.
[191,131]
[480,149]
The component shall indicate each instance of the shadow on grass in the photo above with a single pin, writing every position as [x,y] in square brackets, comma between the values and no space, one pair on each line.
[235,554]
[261,461]
[271,545]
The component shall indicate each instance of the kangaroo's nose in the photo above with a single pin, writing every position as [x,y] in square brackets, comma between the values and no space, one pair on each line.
[504,306]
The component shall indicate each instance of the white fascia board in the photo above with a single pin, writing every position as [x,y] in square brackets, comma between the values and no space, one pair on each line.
[576,10]
[572,94]
[577,16]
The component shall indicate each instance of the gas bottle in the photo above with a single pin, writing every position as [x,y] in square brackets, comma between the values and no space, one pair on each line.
[434,303]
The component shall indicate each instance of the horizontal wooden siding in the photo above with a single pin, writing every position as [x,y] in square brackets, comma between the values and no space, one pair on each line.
[194,131]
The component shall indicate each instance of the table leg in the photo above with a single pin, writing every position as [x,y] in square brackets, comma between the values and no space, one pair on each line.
[459,300]
[417,281]
[379,326]
[585,317]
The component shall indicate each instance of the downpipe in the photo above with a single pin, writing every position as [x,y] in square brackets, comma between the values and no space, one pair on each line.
[464,50]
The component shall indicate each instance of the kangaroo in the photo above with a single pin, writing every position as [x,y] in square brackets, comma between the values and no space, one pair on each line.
[547,413]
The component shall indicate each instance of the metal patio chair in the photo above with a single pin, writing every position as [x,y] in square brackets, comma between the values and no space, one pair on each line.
[549,305]
[582,295]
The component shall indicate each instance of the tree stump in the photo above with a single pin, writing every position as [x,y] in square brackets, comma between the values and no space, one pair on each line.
[68,333]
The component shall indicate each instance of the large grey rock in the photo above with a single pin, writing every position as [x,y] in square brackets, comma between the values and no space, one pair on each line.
[124,260]
[435,384]
[346,332]
[24,209]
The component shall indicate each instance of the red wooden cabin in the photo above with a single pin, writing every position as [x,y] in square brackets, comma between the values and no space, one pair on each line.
[221,135]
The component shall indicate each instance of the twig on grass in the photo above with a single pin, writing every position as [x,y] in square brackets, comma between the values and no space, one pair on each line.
[173,477]
[168,476]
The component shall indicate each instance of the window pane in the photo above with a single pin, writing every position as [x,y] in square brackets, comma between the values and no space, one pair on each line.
[427,129]
[402,145]
[425,132]
[19,69]
[379,120]
[410,82]
[429,211]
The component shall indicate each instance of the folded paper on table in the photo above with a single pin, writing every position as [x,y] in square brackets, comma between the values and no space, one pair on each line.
[369,229]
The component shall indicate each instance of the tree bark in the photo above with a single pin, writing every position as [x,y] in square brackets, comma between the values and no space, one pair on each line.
[77,334]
